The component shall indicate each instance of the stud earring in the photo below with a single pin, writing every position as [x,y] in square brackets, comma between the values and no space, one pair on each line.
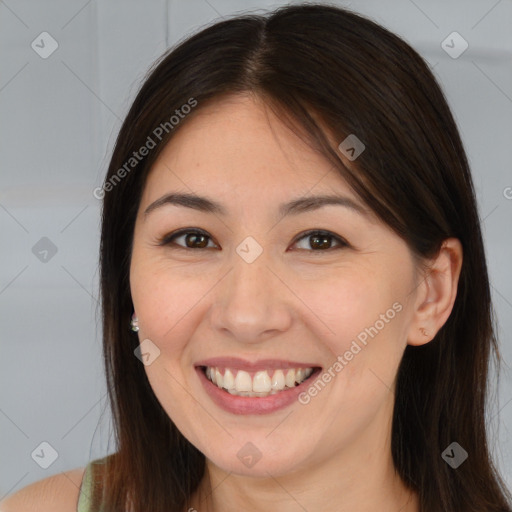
[134,323]
[423,331]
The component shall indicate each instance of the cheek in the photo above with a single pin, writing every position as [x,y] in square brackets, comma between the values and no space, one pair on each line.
[168,304]
[362,326]
[349,305]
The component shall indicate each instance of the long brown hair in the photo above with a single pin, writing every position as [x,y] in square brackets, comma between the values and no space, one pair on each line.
[326,71]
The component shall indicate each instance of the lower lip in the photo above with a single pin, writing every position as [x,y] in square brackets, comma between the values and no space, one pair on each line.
[252,405]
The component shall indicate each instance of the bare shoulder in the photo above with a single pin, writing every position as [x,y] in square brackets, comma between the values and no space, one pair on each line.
[57,493]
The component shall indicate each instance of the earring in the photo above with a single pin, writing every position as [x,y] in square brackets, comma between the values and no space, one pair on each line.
[134,323]
[423,331]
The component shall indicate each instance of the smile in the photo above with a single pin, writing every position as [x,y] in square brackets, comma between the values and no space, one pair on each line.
[241,387]
[260,383]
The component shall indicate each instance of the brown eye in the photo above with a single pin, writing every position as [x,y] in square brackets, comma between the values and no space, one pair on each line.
[321,241]
[193,239]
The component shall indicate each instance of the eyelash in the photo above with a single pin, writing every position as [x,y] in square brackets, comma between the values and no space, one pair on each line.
[167,240]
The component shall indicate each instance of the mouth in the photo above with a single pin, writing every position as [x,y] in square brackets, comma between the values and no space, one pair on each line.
[242,387]
[257,384]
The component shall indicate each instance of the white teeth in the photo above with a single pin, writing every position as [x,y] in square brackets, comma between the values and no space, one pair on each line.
[290,378]
[261,384]
[243,381]
[219,379]
[278,380]
[229,380]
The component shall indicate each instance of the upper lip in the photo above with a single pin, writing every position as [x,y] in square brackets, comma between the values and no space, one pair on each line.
[261,364]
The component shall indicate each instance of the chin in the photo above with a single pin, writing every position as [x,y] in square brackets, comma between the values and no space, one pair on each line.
[251,461]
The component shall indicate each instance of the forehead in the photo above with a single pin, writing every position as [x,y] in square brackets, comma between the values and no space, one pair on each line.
[238,143]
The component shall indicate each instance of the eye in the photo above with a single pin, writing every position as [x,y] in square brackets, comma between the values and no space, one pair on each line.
[320,240]
[194,239]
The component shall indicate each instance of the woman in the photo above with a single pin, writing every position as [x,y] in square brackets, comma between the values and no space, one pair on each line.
[290,230]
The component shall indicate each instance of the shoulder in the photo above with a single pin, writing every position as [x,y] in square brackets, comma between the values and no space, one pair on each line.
[57,493]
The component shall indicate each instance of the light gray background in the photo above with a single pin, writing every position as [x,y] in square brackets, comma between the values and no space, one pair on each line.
[59,118]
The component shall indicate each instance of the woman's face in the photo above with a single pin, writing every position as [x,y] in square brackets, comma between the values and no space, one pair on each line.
[256,297]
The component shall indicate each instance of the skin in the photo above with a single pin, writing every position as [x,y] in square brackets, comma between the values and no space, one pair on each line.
[294,302]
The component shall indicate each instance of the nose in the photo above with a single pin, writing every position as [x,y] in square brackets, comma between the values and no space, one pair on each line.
[252,302]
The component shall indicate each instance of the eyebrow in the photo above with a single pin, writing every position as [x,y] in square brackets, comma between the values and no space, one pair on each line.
[296,206]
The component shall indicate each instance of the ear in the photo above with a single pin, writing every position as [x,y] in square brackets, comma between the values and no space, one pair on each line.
[436,293]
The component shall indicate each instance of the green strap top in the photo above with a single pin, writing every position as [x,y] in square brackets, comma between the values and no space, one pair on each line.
[89,498]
